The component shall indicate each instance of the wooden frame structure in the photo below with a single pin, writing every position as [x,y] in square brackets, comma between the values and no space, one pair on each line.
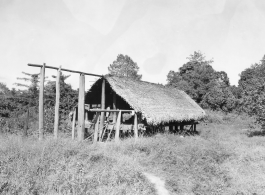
[98,132]
[81,100]
[100,113]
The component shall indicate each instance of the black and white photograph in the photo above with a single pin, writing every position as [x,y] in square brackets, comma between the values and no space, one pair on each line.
[132,97]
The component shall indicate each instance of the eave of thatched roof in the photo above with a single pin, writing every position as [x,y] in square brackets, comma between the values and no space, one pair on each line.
[157,103]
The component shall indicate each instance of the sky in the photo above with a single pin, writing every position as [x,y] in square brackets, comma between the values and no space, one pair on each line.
[87,35]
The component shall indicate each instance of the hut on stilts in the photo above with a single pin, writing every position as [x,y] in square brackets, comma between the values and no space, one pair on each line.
[119,106]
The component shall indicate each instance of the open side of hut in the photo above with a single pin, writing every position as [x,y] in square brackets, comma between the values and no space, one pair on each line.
[134,102]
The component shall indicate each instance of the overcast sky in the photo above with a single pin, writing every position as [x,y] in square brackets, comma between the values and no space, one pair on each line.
[87,35]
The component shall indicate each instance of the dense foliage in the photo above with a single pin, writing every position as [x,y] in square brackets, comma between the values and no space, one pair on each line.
[68,99]
[124,66]
[252,86]
[15,104]
[209,88]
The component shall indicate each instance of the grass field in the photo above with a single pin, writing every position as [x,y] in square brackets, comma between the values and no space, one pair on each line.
[221,160]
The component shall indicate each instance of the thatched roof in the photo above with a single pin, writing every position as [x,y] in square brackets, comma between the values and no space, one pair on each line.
[157,103]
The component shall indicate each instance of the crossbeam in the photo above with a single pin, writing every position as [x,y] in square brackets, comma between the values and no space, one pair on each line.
[106,110]
[67,70]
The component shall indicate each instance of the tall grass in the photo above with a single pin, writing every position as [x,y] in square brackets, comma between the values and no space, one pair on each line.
[221,160]
[53,167]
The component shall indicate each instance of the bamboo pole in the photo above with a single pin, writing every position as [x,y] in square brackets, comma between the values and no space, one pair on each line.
[135,126]
[73,125]
[117,132]
[81,109]
[96,128]
[41,104]
[57,104]
[102,116]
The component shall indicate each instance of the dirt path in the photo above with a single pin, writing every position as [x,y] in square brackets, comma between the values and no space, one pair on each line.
[159,183]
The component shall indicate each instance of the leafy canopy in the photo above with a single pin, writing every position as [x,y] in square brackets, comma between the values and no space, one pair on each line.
[252,86]
[195,77]
[32,87]
[124,66]
[68,100]
[198,79]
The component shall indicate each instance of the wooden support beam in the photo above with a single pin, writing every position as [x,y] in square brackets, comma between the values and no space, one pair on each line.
[102,116]
[41,104]
[96,128]
[81,109]
[114,106]
[73,125]
[106,110]
[67,70]
[135,126]
[117,132]
[57,104]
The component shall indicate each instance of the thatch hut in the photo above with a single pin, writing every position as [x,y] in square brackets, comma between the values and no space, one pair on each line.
[152,104]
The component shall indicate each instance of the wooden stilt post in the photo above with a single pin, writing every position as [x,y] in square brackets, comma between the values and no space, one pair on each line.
[73,125]
[57,103]
[117,132]
[102,116]
[114,106]
[81,109]
[170,128]
[181,127]
[41,104]
[96,128]
[86,116]
[135,126]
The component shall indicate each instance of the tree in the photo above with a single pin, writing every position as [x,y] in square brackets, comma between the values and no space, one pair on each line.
[15,104]
[206,86]
[252,85]
[4,89]
[6,106]
[221,99]
[68,99]
[236,91]
[124,66]
[222,79]
[195,77]
[32,92]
